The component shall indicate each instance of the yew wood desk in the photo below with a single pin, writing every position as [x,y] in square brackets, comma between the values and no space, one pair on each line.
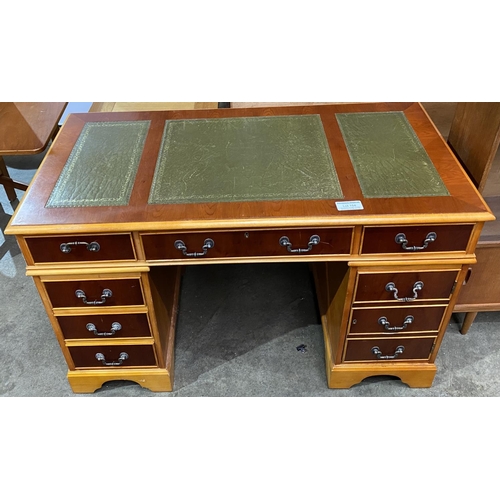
[368,194]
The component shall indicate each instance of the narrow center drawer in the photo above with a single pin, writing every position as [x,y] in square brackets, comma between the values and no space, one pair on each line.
[95,293]
[81,248]
[104,326]
[226,244]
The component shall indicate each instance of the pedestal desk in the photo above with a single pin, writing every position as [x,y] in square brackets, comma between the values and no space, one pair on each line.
[369,194]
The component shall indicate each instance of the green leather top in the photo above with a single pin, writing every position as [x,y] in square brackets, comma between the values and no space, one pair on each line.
[244,159]
[388,157]
[102,166]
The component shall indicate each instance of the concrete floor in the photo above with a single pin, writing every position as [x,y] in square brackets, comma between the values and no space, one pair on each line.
[238,331]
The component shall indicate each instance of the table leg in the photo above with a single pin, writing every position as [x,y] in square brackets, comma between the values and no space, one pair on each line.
[468,320]
[7,181]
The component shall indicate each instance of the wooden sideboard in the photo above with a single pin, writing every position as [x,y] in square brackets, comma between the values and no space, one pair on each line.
[369,194]
[474,138]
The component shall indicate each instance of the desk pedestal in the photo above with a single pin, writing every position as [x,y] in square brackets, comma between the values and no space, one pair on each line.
[368,332]
[118,324]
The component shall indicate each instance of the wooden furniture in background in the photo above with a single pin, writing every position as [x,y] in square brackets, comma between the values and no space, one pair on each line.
[275,104]
[150,106]
[475,137]
[25,129]
[387,269]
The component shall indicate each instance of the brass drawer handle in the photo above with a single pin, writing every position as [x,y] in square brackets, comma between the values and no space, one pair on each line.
[401,240]
[313,240]
[91,247]
[207,245]
[100,357]
[417,286]
[114,328]
[383,321]
[106,294]
[399,350]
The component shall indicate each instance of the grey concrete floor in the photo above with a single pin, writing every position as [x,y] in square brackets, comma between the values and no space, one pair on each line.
[237,335]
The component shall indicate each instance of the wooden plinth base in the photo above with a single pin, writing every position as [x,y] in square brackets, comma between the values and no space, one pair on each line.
[154,379]
[413,374]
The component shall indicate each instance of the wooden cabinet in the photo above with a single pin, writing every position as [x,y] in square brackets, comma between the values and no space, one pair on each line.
[474,137]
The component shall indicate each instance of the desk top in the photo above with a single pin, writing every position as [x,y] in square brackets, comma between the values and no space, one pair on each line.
[343,164]
[27,127]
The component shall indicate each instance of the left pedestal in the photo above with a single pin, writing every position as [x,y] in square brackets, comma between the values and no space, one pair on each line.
[117,324]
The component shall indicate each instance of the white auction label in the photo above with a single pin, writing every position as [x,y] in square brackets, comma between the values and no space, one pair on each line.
[349,205]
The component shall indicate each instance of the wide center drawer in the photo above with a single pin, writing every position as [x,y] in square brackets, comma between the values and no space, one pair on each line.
[95,293]
[81,248]
[416,239]
[226,244]
[105,326]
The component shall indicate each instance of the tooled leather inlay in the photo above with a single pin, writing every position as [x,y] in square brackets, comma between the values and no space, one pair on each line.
[102,166]
[388,157]
[244,159]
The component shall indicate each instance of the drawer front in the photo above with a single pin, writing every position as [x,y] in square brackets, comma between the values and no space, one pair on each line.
[382,239]
[273,243]
[396,287]
[133,355]
[104,326]
[396,320]
[388,350]
[95,293]
[81,248]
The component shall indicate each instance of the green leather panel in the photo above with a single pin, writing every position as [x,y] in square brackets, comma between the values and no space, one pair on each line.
[244,159]
[102,166]
[388,157]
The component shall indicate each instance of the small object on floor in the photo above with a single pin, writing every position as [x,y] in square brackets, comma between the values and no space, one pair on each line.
[302,348]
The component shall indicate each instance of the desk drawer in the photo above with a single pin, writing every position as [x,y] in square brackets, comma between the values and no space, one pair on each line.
[398,286]
[95,293]
[104,326]
[394,349]
[81,248]
[133,355]
[396,320]
[276,242]
[419,239]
